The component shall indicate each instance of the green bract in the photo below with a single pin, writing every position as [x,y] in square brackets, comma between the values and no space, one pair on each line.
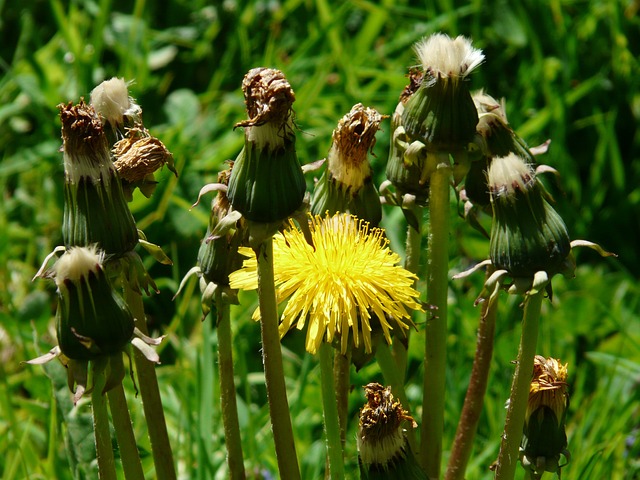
[92,319]
[527,234]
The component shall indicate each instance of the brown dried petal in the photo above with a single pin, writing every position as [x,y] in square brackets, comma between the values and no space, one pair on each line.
[268,97]
[355,134]
[138,157]
[82,131]
[382,415]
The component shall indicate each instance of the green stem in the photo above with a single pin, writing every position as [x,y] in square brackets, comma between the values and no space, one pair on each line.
[436,328]
[330,408]
[104,450]
[206,380]
[508,457]
[474,399]
[124,434]
[273,367]
[342,378]
[235,459]
[393,378]
[150,393]
[412,264]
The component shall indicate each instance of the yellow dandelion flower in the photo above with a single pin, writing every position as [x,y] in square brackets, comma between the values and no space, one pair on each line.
[348,281]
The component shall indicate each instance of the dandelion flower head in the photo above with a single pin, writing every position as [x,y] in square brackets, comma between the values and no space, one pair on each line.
[348,280]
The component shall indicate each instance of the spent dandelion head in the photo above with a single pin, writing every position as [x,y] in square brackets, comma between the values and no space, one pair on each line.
[267,184]
[347,183]
[383,448]
[544,439]
[441,113]
[93,321]
[348,283]
[95,209]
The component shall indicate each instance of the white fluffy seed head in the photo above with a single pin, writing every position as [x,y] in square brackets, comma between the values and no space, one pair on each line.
[509,174]
[77,262]
[440,55]
[111,101]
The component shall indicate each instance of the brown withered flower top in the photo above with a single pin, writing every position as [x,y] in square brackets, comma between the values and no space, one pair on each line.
[380,433]
[82,131]
[268,97]
[139,154]
[549,386]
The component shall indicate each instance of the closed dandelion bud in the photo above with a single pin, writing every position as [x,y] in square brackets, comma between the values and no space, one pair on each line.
[347,184]
[218,255]
[495,139]
[267,184]
[527,234]
[92,318]
[95,210]
[545,440]
[441,113]
[383,448]
[406,176]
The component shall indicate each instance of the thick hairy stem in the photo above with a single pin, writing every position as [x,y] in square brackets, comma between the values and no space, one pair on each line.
[104,450]
[508,457]
[474,400]
[330,408]
[232,438]
[124,434]
[150,393]
[273,367]
[436,328]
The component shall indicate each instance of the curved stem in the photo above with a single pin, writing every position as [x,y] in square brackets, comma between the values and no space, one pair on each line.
[474,399]
[508,457]
[150,393]
[273,368]
[436,328]
[230,421]
[330,408]
[104,450]
[124,434]
[392,377]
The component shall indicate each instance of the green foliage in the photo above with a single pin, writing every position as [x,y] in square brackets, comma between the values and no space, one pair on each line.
[568,72]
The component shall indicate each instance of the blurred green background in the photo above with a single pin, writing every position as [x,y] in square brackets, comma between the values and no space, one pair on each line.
[569,72]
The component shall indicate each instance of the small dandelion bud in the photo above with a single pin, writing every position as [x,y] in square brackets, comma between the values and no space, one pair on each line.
[495,139]
[95,210]
[441,112]
[383,448]
[92,318]
[115,106]
[527,234]
[218,255]
[406,176]
[267,184]
[545,440]
[347,185]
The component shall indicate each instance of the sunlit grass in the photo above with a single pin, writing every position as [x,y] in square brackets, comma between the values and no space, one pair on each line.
[568,72]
